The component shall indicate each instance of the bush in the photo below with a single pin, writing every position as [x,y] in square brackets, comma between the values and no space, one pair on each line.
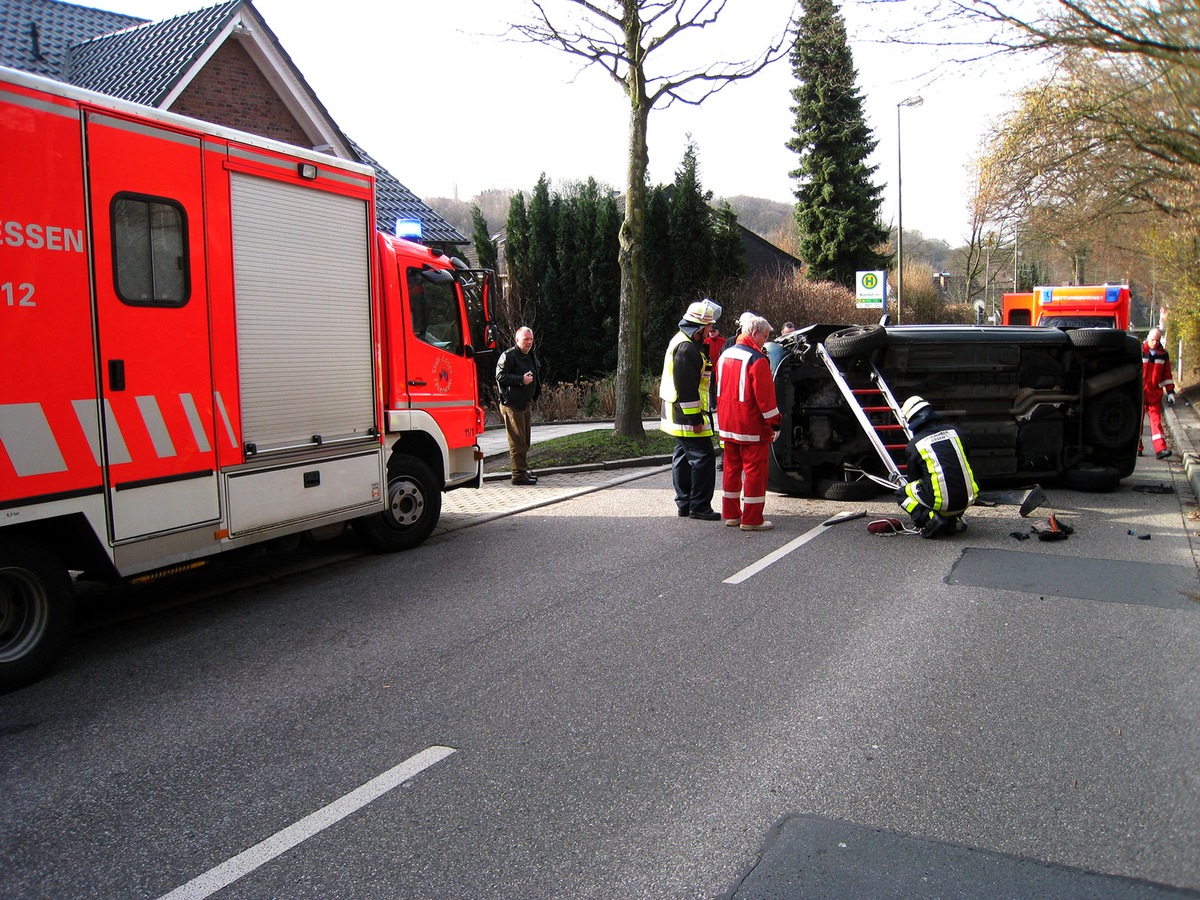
[588,399]
[783,297]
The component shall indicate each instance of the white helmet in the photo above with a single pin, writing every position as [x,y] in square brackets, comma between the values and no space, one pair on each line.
[702,312]
[912,406]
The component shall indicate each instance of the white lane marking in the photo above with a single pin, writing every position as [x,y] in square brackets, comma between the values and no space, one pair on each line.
[246,862]
[754,568]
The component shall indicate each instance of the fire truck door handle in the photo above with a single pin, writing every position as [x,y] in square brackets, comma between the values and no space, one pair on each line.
[416,382]
[116,374]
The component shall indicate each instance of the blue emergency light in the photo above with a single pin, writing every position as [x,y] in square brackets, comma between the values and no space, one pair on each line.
[409,228]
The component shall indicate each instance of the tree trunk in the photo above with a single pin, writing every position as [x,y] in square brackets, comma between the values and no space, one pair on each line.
[628,419]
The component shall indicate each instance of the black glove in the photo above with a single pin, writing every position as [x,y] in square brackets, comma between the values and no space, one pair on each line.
[1171,399]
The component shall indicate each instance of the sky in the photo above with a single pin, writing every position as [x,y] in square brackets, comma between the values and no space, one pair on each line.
[451,106]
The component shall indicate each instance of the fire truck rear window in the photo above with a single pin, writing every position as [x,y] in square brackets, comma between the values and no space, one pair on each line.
[149,251]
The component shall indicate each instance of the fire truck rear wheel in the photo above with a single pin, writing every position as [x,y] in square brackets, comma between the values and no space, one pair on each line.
[37,610]
[414,506]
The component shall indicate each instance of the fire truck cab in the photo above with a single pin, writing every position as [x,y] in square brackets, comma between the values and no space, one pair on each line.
[206,344]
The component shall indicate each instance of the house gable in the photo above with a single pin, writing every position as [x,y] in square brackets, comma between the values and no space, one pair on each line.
[221,64]
[231,90]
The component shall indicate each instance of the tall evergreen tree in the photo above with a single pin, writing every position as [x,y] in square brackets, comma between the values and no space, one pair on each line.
[837,209]
[516,257]
[661,316]
[729,253]
[485,247]
[691,231]
[541,242]
[604,283]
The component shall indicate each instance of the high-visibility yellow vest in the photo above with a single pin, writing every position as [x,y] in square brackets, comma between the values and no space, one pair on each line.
[690,416]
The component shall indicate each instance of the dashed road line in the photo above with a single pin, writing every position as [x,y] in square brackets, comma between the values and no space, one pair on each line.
[261,853]
[771,558]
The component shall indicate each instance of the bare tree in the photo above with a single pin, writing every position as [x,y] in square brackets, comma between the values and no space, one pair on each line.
[619,37]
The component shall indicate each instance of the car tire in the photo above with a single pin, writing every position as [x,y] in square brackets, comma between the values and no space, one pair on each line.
[1112,420]
[1107,338]
[846,491]
[856,341]
[1091,478]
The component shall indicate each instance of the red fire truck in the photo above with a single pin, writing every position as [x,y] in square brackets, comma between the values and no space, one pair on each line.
[206,344]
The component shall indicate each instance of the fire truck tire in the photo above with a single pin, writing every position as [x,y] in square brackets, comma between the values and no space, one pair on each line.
[856,341]
[37,610]
[1091,478]
[414,506]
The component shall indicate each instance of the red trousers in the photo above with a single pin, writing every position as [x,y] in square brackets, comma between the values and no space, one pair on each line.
[744,485]
[1154,414]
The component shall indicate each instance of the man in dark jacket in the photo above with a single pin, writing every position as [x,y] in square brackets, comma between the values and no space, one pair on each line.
[940,483]
[520,385]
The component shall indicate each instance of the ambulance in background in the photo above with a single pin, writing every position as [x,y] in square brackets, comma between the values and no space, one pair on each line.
[1017,309]
[1074,306]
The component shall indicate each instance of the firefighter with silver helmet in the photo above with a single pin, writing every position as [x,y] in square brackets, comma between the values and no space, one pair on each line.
[940,483]
[687,413]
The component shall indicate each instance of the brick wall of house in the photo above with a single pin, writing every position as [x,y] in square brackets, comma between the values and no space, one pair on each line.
[230,90]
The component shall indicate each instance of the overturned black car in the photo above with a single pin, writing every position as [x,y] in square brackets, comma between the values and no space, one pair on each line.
[1032,404]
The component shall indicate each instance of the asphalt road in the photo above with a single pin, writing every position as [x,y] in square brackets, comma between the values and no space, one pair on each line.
[637,706]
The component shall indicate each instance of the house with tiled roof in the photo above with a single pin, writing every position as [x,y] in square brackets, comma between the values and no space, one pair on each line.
[221,64]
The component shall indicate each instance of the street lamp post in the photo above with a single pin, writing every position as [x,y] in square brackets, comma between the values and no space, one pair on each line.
[911,101]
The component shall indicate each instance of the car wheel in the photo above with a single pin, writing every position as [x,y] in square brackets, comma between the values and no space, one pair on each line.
[856,341]
[1112,420]
[1091,478]
[846,491]
[414,506]
[1108,338]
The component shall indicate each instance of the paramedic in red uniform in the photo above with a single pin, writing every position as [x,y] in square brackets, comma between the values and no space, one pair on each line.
[1156,380]
[748,420]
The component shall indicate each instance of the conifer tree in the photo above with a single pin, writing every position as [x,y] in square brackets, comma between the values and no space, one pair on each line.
[604,282]
[516,256]
[485,247]
[837,209]
[660,316]
[729,254]
[691,231]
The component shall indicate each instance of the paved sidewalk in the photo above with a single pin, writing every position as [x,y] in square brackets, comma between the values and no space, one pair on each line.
[500,497]
[493,442]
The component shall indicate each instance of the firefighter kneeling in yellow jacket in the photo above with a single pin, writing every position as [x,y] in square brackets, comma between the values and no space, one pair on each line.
[940,483]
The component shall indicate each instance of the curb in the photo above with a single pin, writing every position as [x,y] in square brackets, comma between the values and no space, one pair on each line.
[612,464]
[1183,444]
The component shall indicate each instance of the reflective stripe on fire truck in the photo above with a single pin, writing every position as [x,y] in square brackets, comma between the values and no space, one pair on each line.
[193,417]
[225,420]
[29,440]
[441,404]
[152,416]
